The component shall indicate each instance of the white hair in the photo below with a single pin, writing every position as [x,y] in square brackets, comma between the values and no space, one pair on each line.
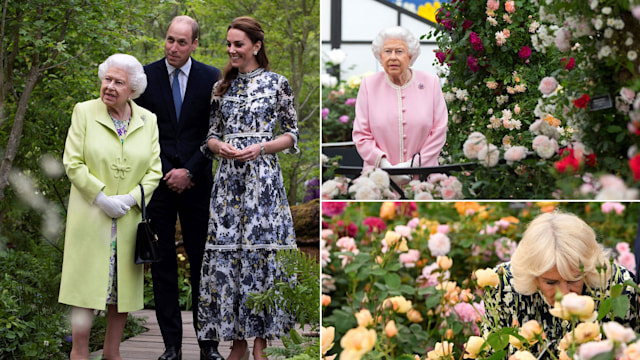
[128,63]
[397,33]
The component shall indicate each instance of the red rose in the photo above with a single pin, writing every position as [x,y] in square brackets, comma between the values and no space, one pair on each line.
[582,101]
[591,160]
[568,64]
[375,224]
[333,208]
[524,52]
[634,164]
[473,63]
[476,42]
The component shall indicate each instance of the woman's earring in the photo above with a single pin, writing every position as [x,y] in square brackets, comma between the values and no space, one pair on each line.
[255,53]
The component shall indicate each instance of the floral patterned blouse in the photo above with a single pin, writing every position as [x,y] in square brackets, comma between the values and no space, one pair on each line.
[511,309]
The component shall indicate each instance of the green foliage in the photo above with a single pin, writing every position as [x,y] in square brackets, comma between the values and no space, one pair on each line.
[338,111]
[301,300]
[362,275]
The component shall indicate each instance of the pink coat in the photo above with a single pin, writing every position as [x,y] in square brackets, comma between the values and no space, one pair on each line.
[400,121]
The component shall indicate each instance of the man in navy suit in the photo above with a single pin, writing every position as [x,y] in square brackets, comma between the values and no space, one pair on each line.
[183,107]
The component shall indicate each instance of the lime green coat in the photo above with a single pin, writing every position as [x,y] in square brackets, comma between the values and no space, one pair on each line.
[96,160]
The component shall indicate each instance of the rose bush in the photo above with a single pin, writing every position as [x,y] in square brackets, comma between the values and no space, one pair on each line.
[402,279]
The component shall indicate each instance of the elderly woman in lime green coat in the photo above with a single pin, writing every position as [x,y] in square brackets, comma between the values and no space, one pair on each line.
[111,147]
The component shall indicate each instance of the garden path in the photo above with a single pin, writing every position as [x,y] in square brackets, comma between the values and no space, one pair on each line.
[149,345]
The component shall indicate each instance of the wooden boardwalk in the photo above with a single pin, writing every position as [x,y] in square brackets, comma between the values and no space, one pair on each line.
[149,345]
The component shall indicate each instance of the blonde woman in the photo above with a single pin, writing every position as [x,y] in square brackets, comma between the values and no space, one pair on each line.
[558,253]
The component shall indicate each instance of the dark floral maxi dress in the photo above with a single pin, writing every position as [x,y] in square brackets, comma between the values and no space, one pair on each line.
[249,217]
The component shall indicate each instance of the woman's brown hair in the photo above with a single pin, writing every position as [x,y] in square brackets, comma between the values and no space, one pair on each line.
[253,29]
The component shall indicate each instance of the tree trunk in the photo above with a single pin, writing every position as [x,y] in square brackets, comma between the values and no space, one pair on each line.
[16,130]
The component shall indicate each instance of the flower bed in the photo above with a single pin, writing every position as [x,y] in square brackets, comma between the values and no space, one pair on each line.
[404,280]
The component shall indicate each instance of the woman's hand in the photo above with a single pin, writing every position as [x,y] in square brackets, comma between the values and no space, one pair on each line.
[223,149]
[251,152]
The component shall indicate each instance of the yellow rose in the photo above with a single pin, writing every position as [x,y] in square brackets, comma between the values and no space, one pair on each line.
[402,247]
[444,262]
[530,330]
[391,238]
[364,318]
[522,355]
[472,347]
[487,277]
[414,316]
[327,334]
[326,300]
[515,342]
[573,304]
[442,350]
[586,332]
[357,342]
[388,210]
[398,303]
[390,329]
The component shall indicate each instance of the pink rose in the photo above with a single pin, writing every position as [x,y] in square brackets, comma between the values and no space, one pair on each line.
[622,247]
[413,223]
[325,113]
[627,95]
[635,10]
[403,230]
[493,5]
[443,229]
[563,40]
[628,260]
[439,244]
[409,258]
[350,102]
[589,350]
[515,153]
[548,85]
[510,7]
[476,42]
[344,119]
[333,208]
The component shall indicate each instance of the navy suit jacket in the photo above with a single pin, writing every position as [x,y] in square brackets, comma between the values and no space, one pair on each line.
[180,140]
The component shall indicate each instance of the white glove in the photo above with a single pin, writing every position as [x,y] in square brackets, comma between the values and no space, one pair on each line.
[112,207]
[398,179]
[406,164]
[127,199]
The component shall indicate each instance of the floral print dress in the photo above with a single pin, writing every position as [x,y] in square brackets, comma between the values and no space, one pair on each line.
[249,218]
[511,309]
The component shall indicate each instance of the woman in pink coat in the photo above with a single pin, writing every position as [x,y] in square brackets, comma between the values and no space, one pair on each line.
[399,112]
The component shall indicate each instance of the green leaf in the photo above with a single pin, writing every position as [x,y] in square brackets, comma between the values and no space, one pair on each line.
[605,307]
[620,306]
[392,280]
[616,290]
[498,341]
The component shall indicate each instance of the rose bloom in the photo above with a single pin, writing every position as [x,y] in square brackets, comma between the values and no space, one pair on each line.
[472,347]
[441,350]
[474,143]
[582,101]
[493,5]
[327,334]
[489,155]
[350,102]
[515,153]
[439,244]
[524,52]
[333,208]
[510,7]
[414,316]
[390,329]
[544,146]
[628,260]
[568,64]
[618,333]
[364,318]
[388,210]
[444,262]
[380,178]
[410,258]
[398,303]
[633,350]
[530,330]
[472,62]
[589,350]
[548,85]
[487,277]
[522,355]
[326,300]
[357,342]
[563,40]
[500,38]
[573,304]
[586,332]
[375,224]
